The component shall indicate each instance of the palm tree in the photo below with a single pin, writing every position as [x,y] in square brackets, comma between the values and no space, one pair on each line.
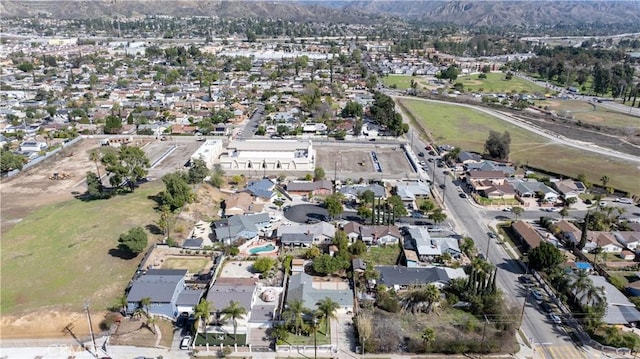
[420,299]
[579,282]
[327,309]
[95,157]
[122,303]
[593,296]
[151,324]
[605,180]
[202,313]
[293,315]
[233,312]
[145,303]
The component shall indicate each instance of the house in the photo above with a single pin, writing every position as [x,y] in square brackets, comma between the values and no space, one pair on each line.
[496,177]
[352,192]
[492,166]
[608,243]
[427,248]
[380,234]
[409,192]
[246,226]
[307,188]
[321,233]
[301,287]
[569,188]
[238,203]
[399,277]
[166,289]
[222,292]
[568,231]
[261,188]
[620,310]
[465,157]
[33,146]
[193,243]
[533,189]
[491,190]
[629,240]
[527,234]
[352,230]
[296,239]
[359,265]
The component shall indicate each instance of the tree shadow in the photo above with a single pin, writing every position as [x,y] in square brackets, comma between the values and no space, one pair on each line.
[153,229]
[122,254]
[513,266]
[156,198]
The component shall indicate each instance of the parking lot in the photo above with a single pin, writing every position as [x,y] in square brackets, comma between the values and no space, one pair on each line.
[354,160]
[170,155]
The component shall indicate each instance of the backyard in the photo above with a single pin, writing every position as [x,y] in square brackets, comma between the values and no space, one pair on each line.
[445,123]
[387,255]
[193,265]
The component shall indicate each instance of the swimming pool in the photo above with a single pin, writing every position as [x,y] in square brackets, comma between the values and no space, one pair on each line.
[266,248]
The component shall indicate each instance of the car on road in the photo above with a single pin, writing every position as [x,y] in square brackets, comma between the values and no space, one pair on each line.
[443,186]
[508,209]
[536,294]
[555,318]
[602,204]
[492,235]
[463,195]
[184,343]
[421,154]
[525,279]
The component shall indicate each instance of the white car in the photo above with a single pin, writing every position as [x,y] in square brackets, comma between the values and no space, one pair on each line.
[555,318]
[184,343]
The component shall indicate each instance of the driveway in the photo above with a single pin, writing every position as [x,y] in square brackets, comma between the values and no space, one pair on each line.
[302,213]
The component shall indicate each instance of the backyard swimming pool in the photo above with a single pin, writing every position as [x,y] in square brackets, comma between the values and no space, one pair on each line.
[266,248]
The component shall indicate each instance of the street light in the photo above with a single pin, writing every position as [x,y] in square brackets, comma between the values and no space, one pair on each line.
[315,339]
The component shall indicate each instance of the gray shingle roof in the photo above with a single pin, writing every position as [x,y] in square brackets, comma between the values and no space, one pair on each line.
[189,297]
[301,287]
[222,294]
[157,284]
[296,238]
[404,276]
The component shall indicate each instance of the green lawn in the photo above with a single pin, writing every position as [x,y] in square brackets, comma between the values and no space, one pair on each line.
[60,255]
[468,129]
[401,82]
[322,338]
[193,265]
[382,255]
[590,113]
[496,83]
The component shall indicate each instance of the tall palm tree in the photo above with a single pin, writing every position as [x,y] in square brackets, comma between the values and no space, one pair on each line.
[593,296]
[202,313]
[95,157]
[327,309]
[233,312]
[122,303]
[293,315]
[579,282]
[605,180]
[145,303]
[420,299]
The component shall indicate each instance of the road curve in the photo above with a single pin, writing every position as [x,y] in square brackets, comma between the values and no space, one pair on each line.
[552,136]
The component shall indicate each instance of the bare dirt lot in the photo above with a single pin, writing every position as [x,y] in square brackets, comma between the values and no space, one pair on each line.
[25,192]
[355,161]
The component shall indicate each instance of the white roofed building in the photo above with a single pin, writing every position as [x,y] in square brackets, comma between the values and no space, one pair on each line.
[269,155]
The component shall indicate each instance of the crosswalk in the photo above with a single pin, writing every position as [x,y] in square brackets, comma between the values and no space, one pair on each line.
[559,352]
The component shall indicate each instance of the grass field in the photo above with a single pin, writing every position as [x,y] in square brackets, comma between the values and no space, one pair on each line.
[495,83]
[401,82]
[193,265]
[464,127]
[382,255]
[588,113]
[60,255]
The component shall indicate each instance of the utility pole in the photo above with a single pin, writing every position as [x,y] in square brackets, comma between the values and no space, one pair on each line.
[93,338]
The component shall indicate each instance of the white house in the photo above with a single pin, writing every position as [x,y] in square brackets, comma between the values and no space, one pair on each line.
[208,152]
[33,146]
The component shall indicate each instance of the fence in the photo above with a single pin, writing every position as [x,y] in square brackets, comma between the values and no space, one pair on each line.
[45,157]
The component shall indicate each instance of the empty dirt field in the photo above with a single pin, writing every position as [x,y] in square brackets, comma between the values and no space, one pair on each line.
[351,160]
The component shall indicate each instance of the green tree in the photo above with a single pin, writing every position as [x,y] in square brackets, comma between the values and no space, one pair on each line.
[564,212]
[333,203]
[9,161]
[112,124]
[134,241]
[318,173]
[451,73]
[327,309]
[251,36]
[217,177]
[605,180]
[126,167]
[145,303]
[352,109]
[498,145]
[233,312]
[358,248]
[122,303]
[263,264]
[94,187]
[517,211]
[201,314]
[165,220]
[545,256]
[428,336]
[437,216]
[26,67]
[198,171]
[326,264]
[293,315]
[177,191]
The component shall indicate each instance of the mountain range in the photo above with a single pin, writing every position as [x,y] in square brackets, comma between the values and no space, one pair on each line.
[465,13]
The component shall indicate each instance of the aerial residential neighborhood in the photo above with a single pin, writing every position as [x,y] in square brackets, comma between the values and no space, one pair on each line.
[251,180]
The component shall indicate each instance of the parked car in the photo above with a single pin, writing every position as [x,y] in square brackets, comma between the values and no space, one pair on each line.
[421,154]
[525,279]
[491,235]
[463,195]
[184,343]
[555,318]
[508,209]
[536,294]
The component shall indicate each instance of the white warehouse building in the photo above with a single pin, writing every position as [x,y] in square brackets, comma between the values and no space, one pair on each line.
[208,152]
[269,155]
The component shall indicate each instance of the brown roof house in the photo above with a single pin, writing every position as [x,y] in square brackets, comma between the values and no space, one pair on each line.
[527,234]
[568,231]
[238,203]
